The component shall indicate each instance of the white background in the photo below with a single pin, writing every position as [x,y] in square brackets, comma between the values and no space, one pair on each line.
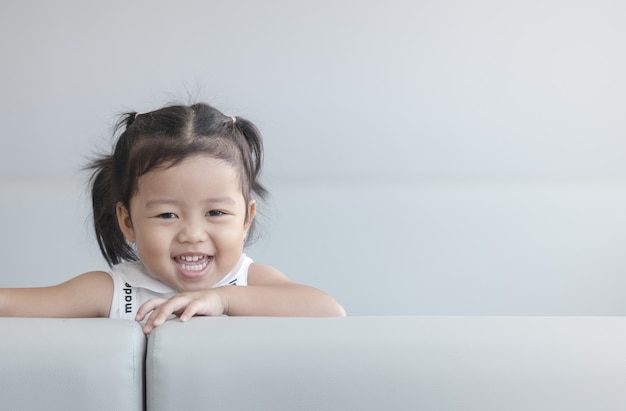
[424,157]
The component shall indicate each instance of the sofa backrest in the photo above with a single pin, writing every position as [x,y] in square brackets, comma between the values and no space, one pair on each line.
[388,363]
[71,364]
[353,363]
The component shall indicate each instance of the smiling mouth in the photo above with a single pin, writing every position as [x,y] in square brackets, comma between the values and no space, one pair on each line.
[193,263]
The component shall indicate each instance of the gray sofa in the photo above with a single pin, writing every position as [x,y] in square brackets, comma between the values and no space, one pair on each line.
[353,363]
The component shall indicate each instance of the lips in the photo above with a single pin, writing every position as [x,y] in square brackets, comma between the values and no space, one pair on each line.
[192,265]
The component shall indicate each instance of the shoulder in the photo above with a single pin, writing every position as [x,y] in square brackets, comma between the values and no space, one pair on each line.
[86,295]
[263,274]
[90,285]
[89,280]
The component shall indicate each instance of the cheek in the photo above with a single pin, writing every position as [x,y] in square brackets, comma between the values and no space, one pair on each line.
[149,242]
[233,234]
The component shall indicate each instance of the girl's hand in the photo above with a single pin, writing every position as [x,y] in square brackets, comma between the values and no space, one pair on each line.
[184,305]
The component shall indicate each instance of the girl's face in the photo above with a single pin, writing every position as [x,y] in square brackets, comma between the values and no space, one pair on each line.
[188,222]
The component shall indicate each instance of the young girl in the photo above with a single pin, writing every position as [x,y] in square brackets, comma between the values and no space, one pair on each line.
[172,206]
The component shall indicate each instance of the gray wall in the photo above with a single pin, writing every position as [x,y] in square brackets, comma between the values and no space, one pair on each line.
[425,157]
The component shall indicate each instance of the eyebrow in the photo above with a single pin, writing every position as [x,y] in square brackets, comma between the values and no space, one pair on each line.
[225,200]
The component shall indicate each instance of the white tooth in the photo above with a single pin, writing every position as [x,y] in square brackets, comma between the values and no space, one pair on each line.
[194,267]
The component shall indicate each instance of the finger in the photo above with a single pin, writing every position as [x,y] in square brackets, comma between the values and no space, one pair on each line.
[147,328]
[154,320]
[211,304]
[192,309]
[161,313]
[147,307]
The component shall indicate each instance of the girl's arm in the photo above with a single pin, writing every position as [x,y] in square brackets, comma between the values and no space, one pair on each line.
[88,295]
[269,293]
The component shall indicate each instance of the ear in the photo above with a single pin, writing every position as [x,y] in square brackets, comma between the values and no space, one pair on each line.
[125,223]
[251,214]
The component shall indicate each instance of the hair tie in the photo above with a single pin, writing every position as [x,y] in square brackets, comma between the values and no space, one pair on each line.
[136,115]
[234,120]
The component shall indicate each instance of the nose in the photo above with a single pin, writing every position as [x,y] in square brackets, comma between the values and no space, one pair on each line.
[192,232]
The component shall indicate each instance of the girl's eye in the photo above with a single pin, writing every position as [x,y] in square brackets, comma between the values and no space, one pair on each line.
[167,216]
[215,213]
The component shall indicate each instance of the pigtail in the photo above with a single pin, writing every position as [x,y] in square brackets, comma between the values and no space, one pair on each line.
[105,194]
[111,240]
[125,121]
[254,156]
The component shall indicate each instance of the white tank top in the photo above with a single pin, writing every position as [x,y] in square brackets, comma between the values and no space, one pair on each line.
[133,286]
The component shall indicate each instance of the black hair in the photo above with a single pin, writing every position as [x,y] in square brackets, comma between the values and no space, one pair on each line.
[164,138]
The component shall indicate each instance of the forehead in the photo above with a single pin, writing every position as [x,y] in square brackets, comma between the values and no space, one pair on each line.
[195,176]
